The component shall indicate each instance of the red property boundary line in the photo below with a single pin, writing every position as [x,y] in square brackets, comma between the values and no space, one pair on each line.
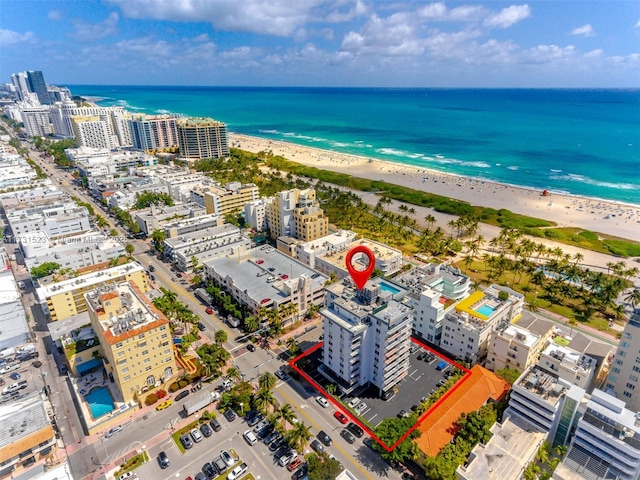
[340,407]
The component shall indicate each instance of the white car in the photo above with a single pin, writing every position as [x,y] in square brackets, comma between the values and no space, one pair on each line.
[196,435]
[354,402]
[9,368]
[360,408]
[237,472]
[250,437]
[322,401]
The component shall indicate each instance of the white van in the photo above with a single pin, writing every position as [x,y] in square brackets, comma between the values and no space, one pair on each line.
[250,437]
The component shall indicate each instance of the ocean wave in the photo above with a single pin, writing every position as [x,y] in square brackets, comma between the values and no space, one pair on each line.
[556,171]
[273,132]
[127,105]
[162,111]
[305,137]
[391,151]
[513,167]
[454,161]
[590,181]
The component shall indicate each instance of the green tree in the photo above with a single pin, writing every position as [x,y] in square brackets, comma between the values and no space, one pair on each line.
[146,199]
[389,431]
[509,374]
[267,381]
[233,373]
[264,398]
[321,467]
[285,414]
[220,336]
[298,436]
[113,232]
[129,248]
[158,237]
[44,270]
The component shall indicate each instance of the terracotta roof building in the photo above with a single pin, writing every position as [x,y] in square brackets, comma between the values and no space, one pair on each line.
[472,392]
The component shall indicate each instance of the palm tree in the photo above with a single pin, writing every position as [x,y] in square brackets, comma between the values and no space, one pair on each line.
[267,381]
[234,373]
[285,414]
[299,436]
[633,297]
[251,324]
[561,450]
[430,220]
[220,337]
[263,398]
[332,389]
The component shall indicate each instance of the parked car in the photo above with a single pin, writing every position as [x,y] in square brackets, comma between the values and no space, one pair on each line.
[260,425]
[220,464]
[209,470]
[163,460]
[200,476]
[322,401]
[355,429]
[251,347]
[277,444]
[360,408]
[341,417]
[302,472]
[354,402]
[317,446]
[182,395]
[206,430]
[15,376]
[215,424]
[209,310]
[346,434]
[186,442]
[228,459]
[196,435]
[324,438]
[201,326]
[273,436]
[113,431]
[294,464]
[249,437]
[163,405]
[284,460]
[255,420]
[230,415]
[237,472]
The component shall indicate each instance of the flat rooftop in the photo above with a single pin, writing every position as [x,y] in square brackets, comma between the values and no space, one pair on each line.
[381,251]
[210,234]
[542,384]
[88,279]
[329,241]
[22,418]
[251,272]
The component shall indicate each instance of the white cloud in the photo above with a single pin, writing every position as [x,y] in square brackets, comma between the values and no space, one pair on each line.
[273,17]
[508,16]
[542,54]
[86,32]
[433,11]
[9,37]
[598,52]
[357,10]
[637,25]
[55,15]
[584,31]
[394,36]
[202,38]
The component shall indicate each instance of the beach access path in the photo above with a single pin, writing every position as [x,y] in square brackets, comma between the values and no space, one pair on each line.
[613,218]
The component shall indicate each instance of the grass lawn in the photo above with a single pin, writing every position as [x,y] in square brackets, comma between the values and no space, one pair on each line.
[132,463]
[178,433]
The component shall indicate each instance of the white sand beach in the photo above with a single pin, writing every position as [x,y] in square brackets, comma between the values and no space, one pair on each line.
[613,218]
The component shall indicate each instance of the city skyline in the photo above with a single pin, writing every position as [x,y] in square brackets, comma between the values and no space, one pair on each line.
[342,43]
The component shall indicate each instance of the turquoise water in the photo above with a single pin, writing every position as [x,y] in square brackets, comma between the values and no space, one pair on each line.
[387,287]
[486,310]
[100,402]
[584,142]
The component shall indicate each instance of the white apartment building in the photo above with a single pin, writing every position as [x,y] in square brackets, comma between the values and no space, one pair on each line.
[13,319]
[255,214]
[150,132]
[181,183]
[37,122]
[307,252]
[434,291]
[576,368]
[204,245]
[57,220]
[624,376]
[184,226]
[367,336]
[465,331]
[515,347]
[126,198]
[92,131]
[606,442]
[73,252]
[155,217]
[46,193]
[13,174]
[96,162]
[388,259]
[264,277]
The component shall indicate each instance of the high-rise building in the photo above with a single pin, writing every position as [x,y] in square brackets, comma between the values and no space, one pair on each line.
[229,199]
[625,371]
[21,84]
[367,336]
[92,131]
[37,85]
[134,337]
[36,120]
[296,213]
[202,138]
[150,132]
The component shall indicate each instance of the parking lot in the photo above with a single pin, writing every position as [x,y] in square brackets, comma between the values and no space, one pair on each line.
[19,375]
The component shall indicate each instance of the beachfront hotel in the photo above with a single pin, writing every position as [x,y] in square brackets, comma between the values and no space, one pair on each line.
[134,338]
[202,138]
[367,336]
[624,375]
[151,132]
[64,299]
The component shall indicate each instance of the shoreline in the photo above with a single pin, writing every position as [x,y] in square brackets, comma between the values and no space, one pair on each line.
[566,210]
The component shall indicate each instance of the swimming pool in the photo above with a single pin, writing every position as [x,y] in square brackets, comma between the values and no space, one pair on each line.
[387,287]
[100,402]
[486,310]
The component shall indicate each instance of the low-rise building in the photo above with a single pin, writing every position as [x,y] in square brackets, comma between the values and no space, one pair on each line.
[575,367]
[98,162]
[264,277]
[57,220]
[13,174]
[205,245]
[229,199]
[185,226]
[367,336]
[127,197]
[47,193]
[73,252]
[155,218]
[14,329]
[64,299]
[134,337]
[307,252]
[465,331]
[27,435]
[388,259]
[434,290]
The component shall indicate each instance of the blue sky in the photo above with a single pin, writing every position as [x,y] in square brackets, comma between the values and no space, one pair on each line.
[544,43]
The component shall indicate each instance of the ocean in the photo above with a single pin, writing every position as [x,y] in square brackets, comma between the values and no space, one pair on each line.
[582,142]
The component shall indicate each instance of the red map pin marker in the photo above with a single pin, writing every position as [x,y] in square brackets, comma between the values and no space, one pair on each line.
[360,277]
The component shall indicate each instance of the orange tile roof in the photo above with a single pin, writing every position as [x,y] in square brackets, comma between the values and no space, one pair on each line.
[108,296]
[439,427]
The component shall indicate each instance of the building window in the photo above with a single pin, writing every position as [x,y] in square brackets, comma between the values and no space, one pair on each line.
[127,378]
[119,344]
[151,380]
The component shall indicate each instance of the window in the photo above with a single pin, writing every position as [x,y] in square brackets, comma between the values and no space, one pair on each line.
[127,378]
[615,370]
[151,380]
[125,369]
[119,344]
[142,344]
[141,336]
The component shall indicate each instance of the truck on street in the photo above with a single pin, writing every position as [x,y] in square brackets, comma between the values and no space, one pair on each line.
[200,401]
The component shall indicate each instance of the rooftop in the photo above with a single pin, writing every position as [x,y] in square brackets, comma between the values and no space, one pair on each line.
[329,242]
[569,358]
[521,335]
[88,279]
[542,384]
[381,251]
[22,421]
[432,276]
[214,235]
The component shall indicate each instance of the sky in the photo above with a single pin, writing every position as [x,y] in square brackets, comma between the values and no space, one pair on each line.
[341,43]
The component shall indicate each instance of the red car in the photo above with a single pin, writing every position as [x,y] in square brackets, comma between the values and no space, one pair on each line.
[341,417]
[209,310]
[259,262]
[284,277]
[295,463]
[265,300]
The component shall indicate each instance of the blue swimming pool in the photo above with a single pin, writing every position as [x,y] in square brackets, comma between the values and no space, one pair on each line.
[486,310]
[100,402]
[387,287]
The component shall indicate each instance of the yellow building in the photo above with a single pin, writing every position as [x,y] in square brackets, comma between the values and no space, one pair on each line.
[310,223]
[134,336]
[296,213]
[229,199]
[64,299]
